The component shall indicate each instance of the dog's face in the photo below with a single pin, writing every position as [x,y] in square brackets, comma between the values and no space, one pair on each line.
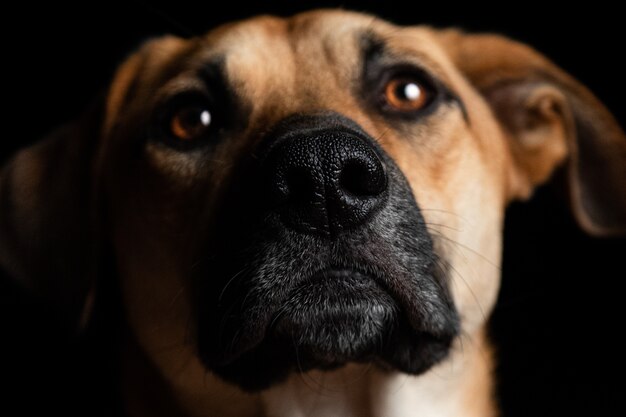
[284,195]
[314,191]
[307,188]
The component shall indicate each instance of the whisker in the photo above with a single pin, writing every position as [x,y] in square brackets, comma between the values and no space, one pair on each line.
[448,212]
[445,226]
[483,353]
[276,317]
[317,387]
[401,385]
[463,246]
[438,262]
[230,281]
[381,138]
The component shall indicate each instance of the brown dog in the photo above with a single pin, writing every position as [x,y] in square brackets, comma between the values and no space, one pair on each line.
[304,215]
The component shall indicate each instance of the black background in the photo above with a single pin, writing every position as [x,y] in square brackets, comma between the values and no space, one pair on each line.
[559,323]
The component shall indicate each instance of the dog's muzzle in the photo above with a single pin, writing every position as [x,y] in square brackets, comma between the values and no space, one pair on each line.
[319,256]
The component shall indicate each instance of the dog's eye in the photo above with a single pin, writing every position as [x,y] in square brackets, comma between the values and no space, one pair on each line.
[187,121]
[190,122]
[407,94]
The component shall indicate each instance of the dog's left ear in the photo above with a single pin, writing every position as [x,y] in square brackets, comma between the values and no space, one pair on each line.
[548,118]
[46,233]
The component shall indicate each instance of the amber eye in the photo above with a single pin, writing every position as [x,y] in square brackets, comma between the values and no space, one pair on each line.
[406,94]
[189,123]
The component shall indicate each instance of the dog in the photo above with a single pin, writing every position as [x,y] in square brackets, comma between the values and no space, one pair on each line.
[304,215]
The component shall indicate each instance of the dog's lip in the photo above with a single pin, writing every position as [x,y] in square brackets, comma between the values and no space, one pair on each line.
[359,275]
[336,274]
[337,315]
[339,286]
[290,300]
[341,272]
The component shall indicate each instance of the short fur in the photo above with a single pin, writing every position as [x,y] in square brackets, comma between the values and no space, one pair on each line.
[510,118]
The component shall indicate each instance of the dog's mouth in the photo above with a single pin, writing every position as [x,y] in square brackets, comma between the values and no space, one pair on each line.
[328,264]
[337,316]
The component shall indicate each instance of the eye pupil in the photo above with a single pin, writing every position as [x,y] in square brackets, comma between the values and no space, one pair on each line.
[405,94]
[190,123]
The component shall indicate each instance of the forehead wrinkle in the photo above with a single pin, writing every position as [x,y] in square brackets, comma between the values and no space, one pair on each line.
[286,66]
[314,74]
[258,59]
[332,40]
[327,62]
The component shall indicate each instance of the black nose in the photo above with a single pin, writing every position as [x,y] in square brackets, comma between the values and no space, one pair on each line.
[325,181]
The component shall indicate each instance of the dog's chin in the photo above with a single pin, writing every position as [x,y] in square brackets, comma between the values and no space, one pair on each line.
[336,317]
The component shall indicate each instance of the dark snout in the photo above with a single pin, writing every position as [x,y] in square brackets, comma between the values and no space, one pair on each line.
[319,256]
[325,178]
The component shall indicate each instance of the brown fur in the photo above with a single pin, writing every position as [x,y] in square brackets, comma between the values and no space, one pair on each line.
[524,119]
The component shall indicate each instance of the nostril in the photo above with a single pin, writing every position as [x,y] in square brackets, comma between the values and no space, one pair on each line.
[300,185]
[363,178]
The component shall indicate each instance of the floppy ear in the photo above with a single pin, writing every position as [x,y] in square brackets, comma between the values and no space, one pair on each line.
[50,207]
[548,117]
[46,242]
